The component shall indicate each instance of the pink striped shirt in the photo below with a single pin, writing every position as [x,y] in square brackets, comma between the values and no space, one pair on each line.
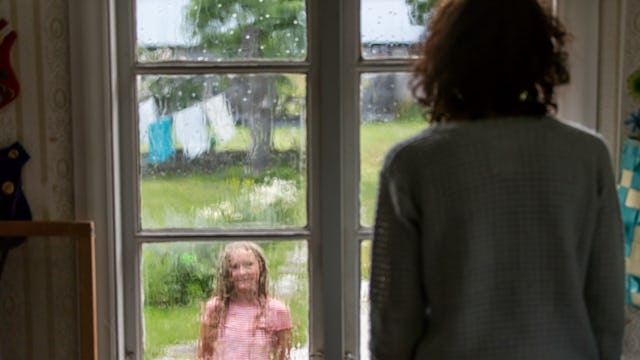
[245,337]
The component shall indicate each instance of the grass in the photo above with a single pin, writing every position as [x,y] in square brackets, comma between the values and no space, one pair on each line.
[169,326]
[365,259]
[375,141]
[226,199]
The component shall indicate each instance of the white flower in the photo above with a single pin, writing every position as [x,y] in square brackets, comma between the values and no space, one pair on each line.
[222,211]
[277,190]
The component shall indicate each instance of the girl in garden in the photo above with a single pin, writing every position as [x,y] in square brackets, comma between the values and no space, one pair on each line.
[241,321]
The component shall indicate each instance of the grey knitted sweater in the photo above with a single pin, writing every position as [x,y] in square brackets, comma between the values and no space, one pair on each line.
[498,239]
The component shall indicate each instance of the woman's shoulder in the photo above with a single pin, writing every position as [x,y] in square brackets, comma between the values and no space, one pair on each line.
[581,137]
[406,152]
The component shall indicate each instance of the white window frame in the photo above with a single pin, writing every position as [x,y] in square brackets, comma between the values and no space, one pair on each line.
[97,91]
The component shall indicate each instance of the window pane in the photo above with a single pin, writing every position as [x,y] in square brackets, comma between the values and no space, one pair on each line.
[222,151]
[365,275]
[178,280]
[392,28]
[388,115]
[213,30]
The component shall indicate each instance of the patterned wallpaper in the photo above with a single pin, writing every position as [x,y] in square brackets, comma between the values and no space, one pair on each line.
[37,287]
[631,64]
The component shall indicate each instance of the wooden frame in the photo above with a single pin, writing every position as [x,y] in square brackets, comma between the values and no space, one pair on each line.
[83,232]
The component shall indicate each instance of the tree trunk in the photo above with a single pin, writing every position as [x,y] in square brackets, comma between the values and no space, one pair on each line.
[258,98]
[260,129]
[257,103]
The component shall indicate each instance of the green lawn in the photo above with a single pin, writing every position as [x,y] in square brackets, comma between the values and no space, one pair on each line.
[228,198]
[169,326]
[375,141]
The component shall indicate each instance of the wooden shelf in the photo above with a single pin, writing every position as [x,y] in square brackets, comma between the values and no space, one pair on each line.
[83,232]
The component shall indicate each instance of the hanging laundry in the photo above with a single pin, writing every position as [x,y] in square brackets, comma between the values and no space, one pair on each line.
[160,140]
[192,131]
[220,118]
[146,114]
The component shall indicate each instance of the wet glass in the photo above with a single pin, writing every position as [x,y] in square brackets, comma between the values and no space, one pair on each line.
[388,114]
[214,30]
[392,28]
[179,278]
[222,151]
[365,276]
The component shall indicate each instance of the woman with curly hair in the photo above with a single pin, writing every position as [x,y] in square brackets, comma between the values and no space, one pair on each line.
[241,321]
[498,231]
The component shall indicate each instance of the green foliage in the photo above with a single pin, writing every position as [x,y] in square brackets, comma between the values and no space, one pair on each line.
[175,92]
[419,10]
[172,93]
[292,90]
[409,110]
[249,28]
[178,275]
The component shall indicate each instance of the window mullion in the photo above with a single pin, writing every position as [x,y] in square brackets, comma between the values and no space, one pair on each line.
[129,245]
[327,141]
[350,140]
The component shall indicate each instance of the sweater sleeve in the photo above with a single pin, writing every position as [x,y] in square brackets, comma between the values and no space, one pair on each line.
[396,292]
[604,287]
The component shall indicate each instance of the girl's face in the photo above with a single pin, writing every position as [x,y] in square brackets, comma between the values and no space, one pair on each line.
[245,271]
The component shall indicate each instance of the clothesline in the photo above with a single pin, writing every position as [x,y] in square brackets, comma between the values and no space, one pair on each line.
[194,128]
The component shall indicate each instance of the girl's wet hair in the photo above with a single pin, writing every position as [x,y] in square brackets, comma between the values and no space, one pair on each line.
[225,284]
[483,58]
[223,294]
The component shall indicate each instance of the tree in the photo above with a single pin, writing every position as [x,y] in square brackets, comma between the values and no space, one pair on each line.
[252,30]
[173,93]
[419,10]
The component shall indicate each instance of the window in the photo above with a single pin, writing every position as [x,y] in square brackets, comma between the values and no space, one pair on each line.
[342,88]
[244,120]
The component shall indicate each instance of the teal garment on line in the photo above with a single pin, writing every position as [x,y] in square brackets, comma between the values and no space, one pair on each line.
[161,146]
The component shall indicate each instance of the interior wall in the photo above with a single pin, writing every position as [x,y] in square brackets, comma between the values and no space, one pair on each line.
[578,100]
[37,287]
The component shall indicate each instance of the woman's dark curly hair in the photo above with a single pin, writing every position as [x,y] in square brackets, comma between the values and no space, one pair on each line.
[487,58]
